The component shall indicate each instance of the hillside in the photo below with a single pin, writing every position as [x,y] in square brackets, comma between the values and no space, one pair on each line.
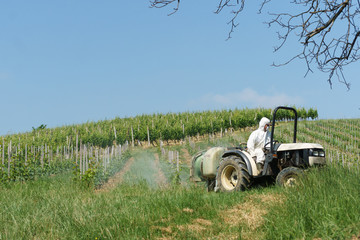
[47,151]
[148,128]
[143,192]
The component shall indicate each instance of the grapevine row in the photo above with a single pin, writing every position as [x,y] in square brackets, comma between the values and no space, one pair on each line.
[338,137]
[150,128]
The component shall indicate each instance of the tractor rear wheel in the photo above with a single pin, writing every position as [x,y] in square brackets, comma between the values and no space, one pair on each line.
[289,176]
[232,175]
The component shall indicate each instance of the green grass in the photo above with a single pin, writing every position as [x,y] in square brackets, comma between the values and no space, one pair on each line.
[326,205]
[55,208]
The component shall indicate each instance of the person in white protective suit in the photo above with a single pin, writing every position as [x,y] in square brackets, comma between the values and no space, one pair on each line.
[256,142]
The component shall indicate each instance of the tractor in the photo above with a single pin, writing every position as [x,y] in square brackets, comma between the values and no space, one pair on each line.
[233,169]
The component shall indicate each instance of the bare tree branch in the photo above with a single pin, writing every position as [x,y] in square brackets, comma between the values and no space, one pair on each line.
[329,31]
[164,3]
[236,6]
[328,23]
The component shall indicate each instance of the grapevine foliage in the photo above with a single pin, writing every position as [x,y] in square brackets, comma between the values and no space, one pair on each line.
[50,150]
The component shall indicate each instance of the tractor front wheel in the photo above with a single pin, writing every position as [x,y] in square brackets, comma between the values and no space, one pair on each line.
[232,175]
[289,176]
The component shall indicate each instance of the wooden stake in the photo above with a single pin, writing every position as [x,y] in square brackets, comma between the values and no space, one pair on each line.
[42,157]
[48,155]
[80,162]
[77,151]
[86,159]
[132,137]
[9,158]
[3,153]
[177,162]
[26,155]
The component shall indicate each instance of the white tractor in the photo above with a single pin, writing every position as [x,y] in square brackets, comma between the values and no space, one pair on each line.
[233,169]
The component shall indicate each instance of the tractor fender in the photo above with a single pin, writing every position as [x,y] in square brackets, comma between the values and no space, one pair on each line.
[242,156]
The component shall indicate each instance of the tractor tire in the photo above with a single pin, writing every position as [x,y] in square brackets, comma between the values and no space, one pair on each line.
[289,177]
[232,175]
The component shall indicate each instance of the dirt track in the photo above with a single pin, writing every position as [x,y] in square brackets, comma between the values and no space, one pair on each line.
[117,178]
[144,165]
[160,177]
[187,156]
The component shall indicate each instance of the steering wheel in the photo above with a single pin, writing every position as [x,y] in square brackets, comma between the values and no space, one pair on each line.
[268,143]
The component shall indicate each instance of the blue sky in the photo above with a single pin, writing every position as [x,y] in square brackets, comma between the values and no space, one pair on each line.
[68,62]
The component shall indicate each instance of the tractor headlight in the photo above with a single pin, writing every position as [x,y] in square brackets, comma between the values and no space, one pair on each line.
[316,153]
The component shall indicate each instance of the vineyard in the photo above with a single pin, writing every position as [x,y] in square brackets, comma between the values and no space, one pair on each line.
[95,159]
[58,184]
[148,128]
[340,138]
[89,148]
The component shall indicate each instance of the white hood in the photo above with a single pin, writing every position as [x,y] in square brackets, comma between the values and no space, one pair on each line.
[263,122]
[296,146]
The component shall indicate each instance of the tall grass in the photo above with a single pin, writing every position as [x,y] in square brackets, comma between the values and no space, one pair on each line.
[55,208]
[325,205]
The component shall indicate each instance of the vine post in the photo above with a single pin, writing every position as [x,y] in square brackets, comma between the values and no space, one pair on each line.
[132,137]
[9,158]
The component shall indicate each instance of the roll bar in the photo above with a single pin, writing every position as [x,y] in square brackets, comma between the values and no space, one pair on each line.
[273,125]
